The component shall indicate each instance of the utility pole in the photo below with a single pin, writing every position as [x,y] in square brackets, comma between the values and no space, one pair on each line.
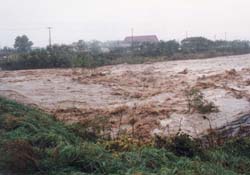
[215,37]
[49,28]
[225,36]
[186,34]
[132,40]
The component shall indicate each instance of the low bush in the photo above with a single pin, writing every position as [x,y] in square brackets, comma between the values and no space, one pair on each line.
[123,143]
[19,156]
[197,102]
[180,145]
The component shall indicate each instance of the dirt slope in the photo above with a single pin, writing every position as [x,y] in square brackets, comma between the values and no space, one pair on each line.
[152,96]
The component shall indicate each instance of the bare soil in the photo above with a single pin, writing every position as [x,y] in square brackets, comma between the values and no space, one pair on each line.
[149,98]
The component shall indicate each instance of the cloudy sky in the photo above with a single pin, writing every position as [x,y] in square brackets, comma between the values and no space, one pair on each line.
[113,19]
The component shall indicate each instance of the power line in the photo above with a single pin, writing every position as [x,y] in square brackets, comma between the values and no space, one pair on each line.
[20,29]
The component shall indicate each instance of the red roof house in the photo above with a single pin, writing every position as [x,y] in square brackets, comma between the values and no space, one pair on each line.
[142,39]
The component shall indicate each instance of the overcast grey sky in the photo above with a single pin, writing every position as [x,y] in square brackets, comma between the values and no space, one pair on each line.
[113,19]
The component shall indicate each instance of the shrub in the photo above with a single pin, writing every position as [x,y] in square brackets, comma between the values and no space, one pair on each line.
[10,122]
[122,143]
[197,102]
[19,156]
[92,129]
[84,132]
[238,146]
[181,145]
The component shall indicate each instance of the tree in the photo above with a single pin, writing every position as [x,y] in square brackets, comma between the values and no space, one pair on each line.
[196,44]
[80,46]
[95,47]
[6,51]
[22,44]
[169,48]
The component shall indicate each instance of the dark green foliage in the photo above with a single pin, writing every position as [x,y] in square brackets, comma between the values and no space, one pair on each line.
[238,147]
[5,51]
[196,44]
[82,131]
[32,142]
[90,54]
[43,58]
[22,44]
[169,48]
[181,145]
[236,46]
[56,57]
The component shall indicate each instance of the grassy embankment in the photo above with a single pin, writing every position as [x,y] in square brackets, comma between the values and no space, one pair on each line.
[33,142]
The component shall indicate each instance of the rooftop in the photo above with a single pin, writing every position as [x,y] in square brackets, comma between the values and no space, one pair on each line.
[143,38]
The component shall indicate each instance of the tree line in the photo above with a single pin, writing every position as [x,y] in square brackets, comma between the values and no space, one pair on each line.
[96,53]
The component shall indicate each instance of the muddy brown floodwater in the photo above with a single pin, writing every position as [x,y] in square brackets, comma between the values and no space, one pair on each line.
[150,95]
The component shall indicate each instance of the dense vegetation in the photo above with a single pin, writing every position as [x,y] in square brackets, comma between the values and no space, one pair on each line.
[32,142]
[94,54]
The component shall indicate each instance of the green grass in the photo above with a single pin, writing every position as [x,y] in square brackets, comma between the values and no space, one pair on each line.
[33,142]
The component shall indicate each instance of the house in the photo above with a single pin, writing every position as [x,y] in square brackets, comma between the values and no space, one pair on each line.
[142,39]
